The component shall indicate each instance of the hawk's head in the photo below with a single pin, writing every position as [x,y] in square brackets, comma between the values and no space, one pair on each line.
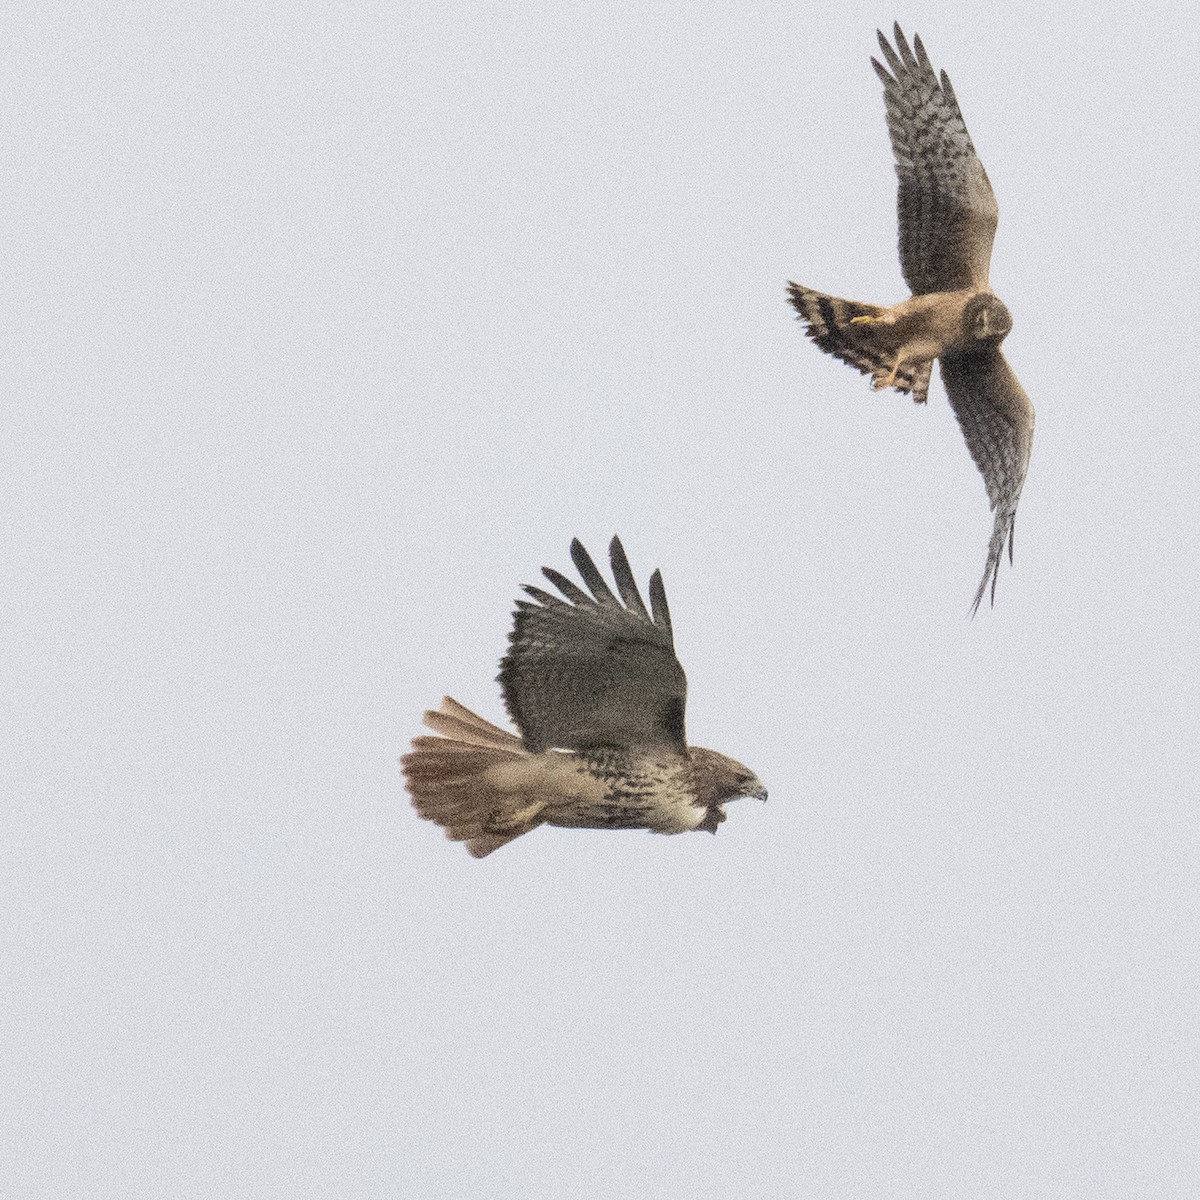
[713,778]
[986,319]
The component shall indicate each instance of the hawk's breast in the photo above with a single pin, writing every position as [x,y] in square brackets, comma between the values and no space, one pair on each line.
[617,790]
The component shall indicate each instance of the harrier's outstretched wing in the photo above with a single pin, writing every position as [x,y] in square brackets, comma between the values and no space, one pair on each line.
[594,670]
[997,421]
[946,208]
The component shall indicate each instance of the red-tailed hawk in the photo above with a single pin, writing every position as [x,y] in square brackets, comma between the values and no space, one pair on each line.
[594,686]
[947,215]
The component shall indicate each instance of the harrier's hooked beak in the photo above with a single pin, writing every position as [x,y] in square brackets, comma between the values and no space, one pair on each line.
[756,789]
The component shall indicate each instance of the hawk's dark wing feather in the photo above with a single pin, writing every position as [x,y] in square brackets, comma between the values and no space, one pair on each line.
[626,584]
[658,604]
[572,591]
[595,670]
[946,208]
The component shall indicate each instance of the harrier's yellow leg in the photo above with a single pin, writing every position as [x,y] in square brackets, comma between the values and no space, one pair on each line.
[889,380]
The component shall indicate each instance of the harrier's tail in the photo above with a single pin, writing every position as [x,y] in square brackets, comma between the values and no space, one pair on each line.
[829,321]
[451,779]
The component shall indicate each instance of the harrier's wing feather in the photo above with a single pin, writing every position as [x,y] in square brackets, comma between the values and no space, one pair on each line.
[946,208]
[894,62]
[588,672]
[997,422]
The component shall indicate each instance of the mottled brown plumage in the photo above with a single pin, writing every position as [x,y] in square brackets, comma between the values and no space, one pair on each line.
[593,684]
[947,217]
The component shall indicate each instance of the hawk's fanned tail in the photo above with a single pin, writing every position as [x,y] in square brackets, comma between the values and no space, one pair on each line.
[829,320]
[448,780]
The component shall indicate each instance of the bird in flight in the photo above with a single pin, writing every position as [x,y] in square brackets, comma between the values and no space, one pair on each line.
[947,217]
[593,685]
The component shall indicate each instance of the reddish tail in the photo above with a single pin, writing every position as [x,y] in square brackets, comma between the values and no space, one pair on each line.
[447,778]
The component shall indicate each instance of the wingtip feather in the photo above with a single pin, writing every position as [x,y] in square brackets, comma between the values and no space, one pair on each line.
[591,574]
[1001,532]
[658,604]
[626,583]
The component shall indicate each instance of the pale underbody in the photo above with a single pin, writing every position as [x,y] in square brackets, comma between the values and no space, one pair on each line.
[559,787]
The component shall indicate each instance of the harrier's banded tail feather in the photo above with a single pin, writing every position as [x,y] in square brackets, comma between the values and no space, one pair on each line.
[448,779]
[829,322]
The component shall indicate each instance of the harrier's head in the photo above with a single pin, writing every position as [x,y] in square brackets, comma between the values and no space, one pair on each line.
[986,319]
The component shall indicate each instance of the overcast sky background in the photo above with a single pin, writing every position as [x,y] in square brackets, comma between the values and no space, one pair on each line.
[324,328]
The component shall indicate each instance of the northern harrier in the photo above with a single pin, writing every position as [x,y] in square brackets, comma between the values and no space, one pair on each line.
[947,215]
[594,686]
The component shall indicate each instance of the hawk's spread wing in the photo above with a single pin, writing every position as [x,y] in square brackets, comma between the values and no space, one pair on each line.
[595,670]
[946,208]
[997,422]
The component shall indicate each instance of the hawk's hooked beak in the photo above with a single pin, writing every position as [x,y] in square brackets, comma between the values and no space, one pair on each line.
[756,789]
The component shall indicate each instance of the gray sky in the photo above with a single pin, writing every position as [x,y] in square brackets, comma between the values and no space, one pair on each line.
[324,328]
